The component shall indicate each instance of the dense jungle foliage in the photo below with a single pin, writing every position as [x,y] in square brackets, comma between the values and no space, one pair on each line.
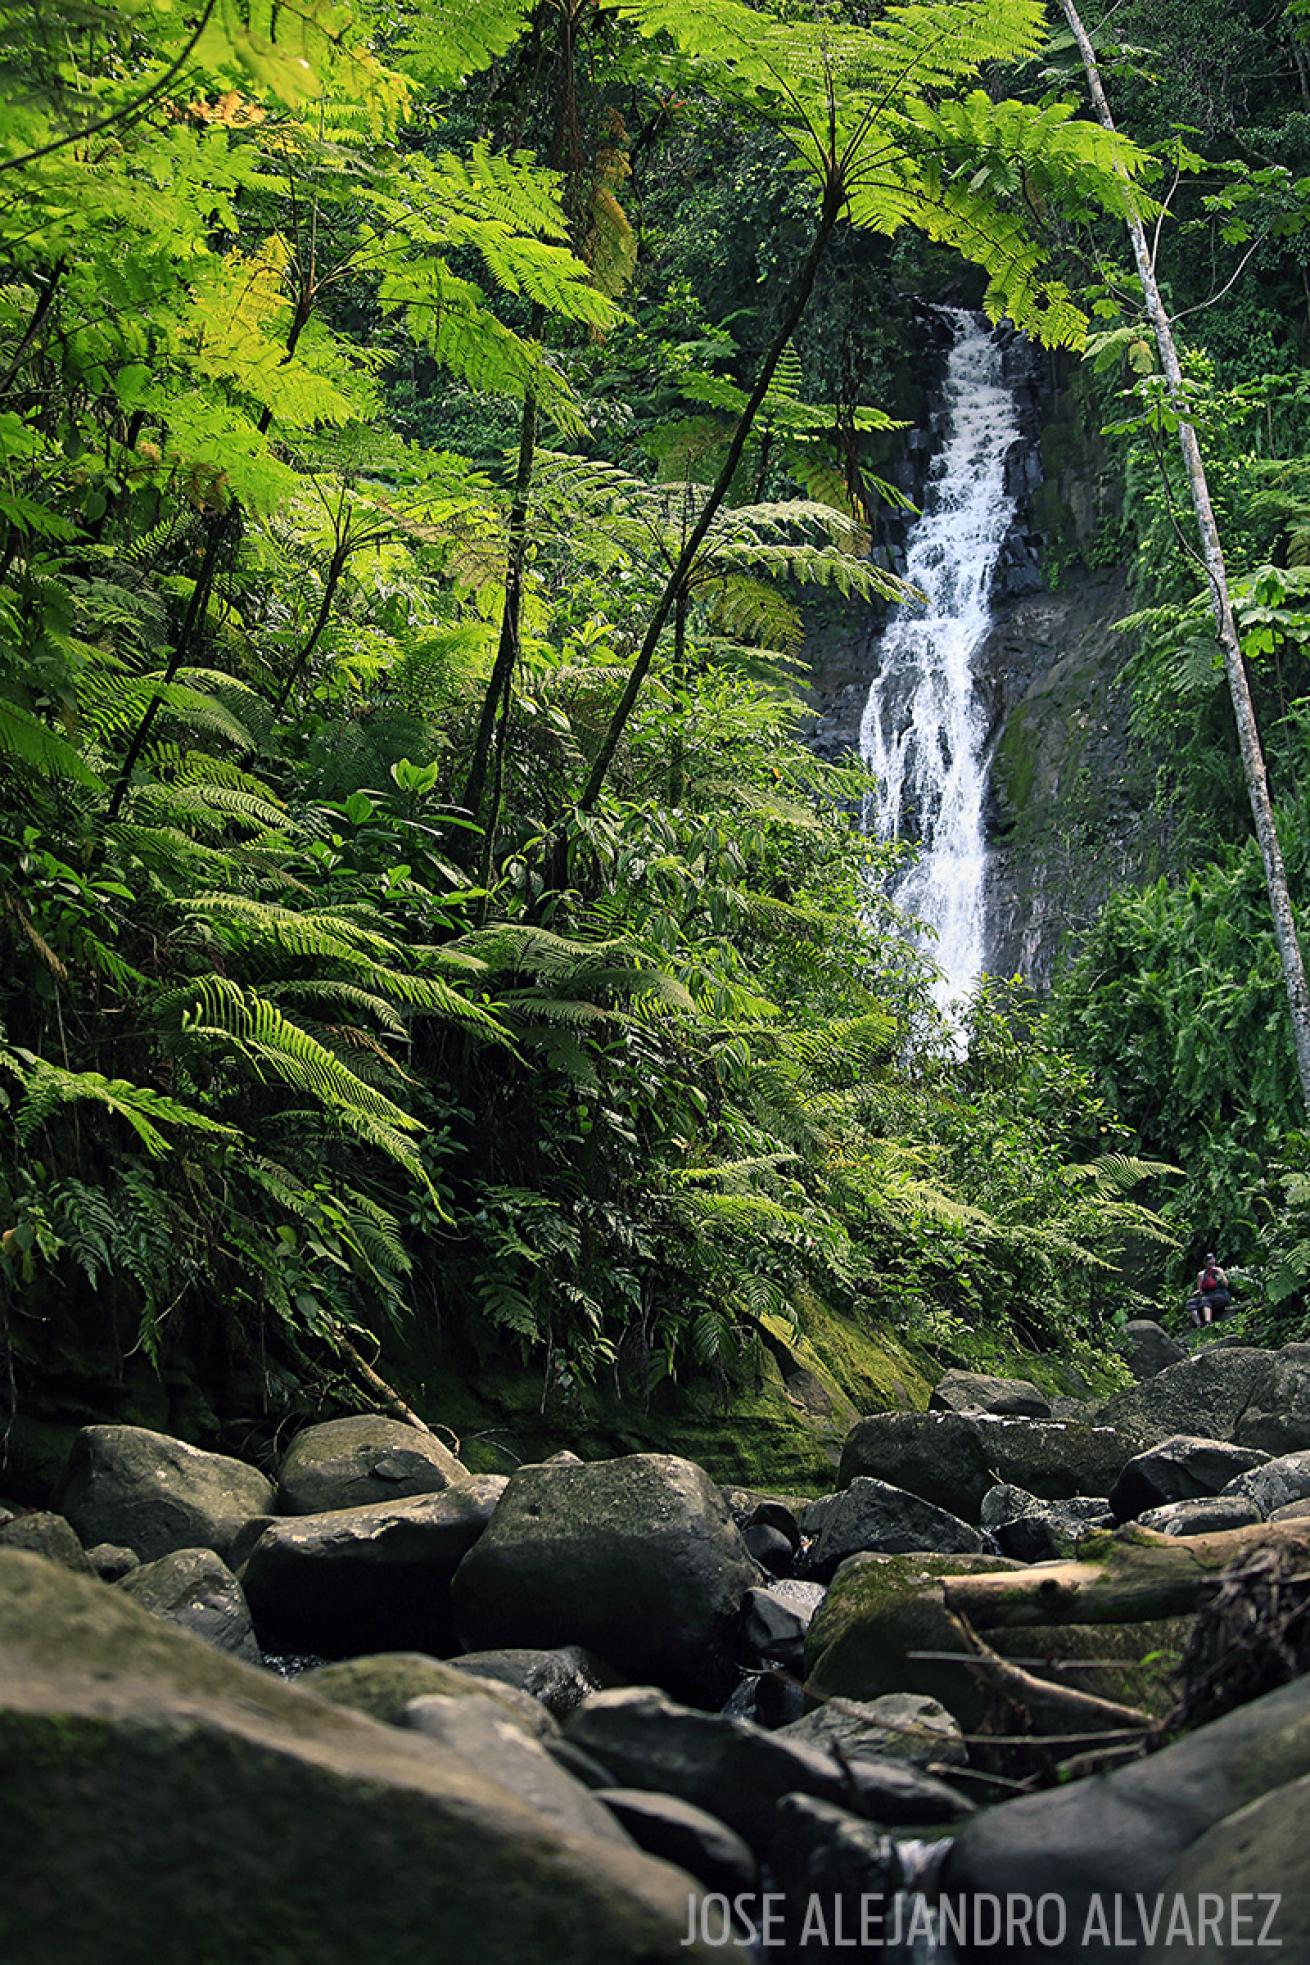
[426,434]
[1175,1001]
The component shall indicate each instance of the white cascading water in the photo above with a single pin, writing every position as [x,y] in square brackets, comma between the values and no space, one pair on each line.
[925,727]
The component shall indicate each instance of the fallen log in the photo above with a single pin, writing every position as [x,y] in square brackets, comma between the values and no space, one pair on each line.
[1132,1576]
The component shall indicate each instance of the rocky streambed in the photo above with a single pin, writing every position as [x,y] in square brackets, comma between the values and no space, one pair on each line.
[1029,1677]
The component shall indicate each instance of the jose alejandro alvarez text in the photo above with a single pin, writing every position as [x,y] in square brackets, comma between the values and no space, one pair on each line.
[1246,1920]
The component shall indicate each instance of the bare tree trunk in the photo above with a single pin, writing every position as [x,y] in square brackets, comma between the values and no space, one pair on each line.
[687,558]
[1239,687]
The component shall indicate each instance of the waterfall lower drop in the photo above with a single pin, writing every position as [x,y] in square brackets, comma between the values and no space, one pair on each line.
[924,728]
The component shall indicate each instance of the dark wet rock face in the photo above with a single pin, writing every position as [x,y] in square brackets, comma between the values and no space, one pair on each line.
[1147,1348]
[873,1515]
[953,1459]
[1182,1468]
[367,1579]
[739,1772]
[973,1391]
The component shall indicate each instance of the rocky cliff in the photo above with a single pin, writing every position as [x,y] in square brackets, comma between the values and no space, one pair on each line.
[1069,808]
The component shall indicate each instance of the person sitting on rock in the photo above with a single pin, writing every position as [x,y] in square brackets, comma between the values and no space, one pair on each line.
[1212,1295]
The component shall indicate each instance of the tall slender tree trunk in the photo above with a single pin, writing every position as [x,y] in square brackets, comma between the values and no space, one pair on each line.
[1239,687]
[677,579]
[511,617]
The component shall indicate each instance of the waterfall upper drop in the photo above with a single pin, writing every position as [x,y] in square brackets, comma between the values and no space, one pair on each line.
[924,729]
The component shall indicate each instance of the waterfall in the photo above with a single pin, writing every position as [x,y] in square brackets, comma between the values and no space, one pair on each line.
[924,729]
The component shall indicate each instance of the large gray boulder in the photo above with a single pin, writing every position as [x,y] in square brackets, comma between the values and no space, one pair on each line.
[872,1514]
[195,1589]
[1147,1348]
[42,1533]
[1206,1396]
[1275,1484]
[219,1813]
[348,1463]
[1123,1834]
[367,1579]
[1179,1469]
[1277,1415]
[1251,1867]
[976,1391]
[739,1772]
[152,1494]
[638,1560]
[954,1458]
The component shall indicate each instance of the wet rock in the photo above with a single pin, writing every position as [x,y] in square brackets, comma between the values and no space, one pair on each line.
[1148,1348]
[976,1391]
[153,1494]
[111,1562]
[1276,1484]
[1179,1469]
[367,1579]
[1205,1397]
[636,1559]
[582,1766]
[477,1730]
[837,1873]
[385,1685]
[1293,1511]
[953,1458]
[1032,1530]
[774,1626]
[678,1833]
[1124,1833]
[560,1680]
[218,1812]
[44,1534]
[196,1590]
[898,1726]
[739,1772]
[349,1463]
[1250,1868]
[1277,1415]
[873,1515]
[1202,1516]
[772,1550]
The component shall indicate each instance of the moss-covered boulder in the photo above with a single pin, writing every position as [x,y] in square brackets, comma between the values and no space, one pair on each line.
[882,1612]
[878,1611]
[383,1686]
[348,1463]
[159,1800]
[44,1534]
[638,1560]
[153,1494]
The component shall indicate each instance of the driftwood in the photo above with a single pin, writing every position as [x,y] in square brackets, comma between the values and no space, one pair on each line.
[1134,1576]
[1047,1704]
